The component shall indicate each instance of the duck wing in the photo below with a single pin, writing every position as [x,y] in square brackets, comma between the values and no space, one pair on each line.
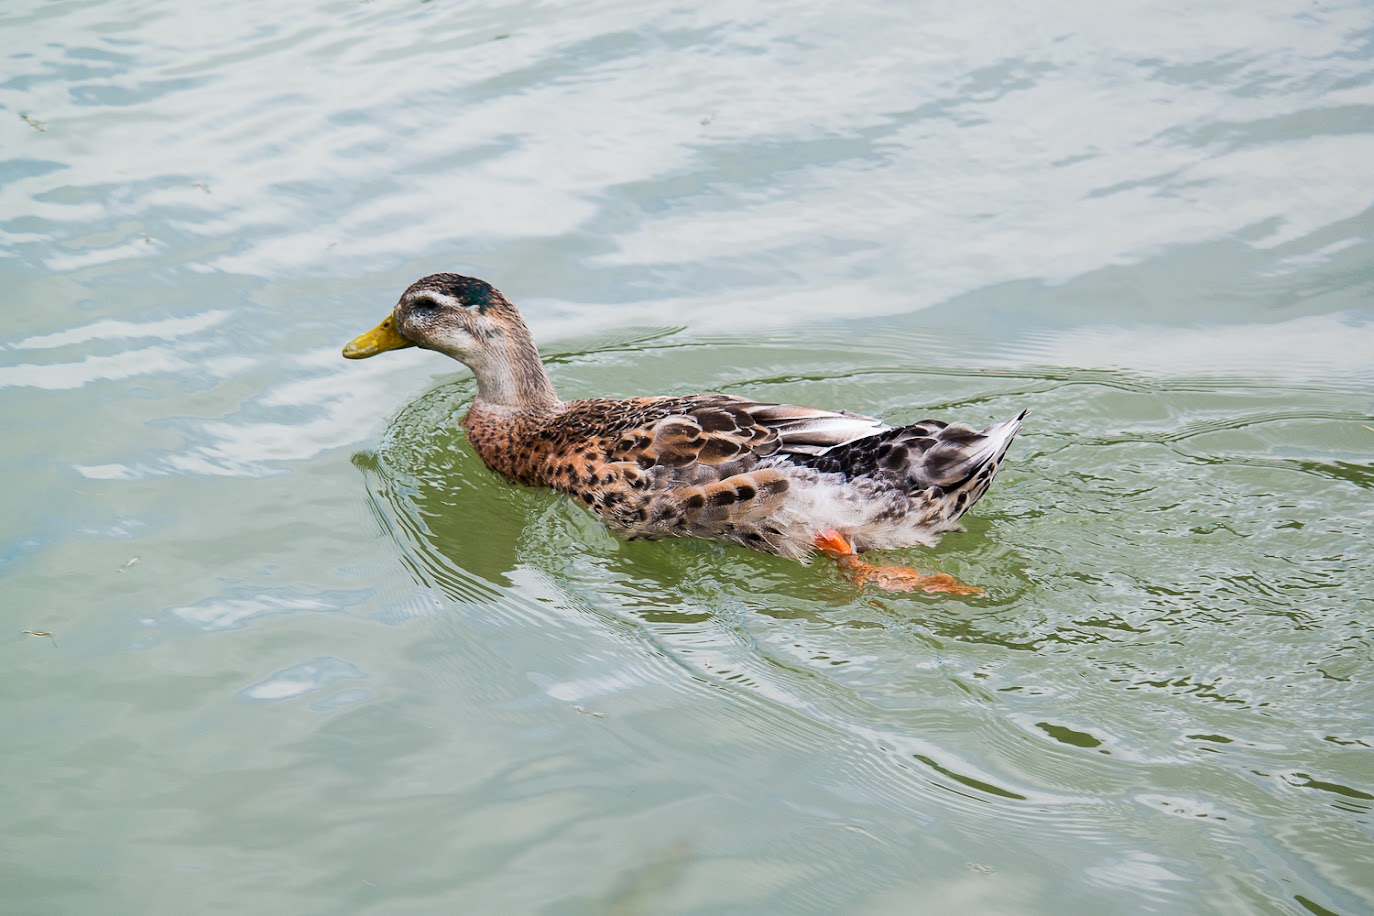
[718,430]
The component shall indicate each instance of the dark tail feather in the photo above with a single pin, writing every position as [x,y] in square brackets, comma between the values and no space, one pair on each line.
[958,454]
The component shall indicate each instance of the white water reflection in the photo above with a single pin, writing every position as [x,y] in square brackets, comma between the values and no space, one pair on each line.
[1092,147]
[334,413]
[62,376]
[306,677]
[111,329]
[236,606]
[1334,350]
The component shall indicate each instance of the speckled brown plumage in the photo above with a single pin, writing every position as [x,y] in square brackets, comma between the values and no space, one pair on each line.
[650,467]
[767,476]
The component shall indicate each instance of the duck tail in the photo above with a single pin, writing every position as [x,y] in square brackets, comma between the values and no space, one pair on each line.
[951,463]
[948,456]
[963,463]
[997,438]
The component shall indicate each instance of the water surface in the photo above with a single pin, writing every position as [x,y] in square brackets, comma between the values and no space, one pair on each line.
[307,655]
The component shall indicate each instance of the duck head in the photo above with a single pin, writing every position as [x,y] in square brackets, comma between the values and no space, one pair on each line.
[471,321]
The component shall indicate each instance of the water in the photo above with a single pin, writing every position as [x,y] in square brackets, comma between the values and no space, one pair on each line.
[307,655]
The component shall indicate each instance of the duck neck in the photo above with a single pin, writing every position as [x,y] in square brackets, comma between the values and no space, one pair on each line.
[513,378]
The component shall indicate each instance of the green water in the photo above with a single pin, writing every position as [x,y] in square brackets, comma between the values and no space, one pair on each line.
[304,654]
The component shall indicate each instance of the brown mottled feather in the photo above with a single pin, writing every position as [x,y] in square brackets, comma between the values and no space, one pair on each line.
[650,467]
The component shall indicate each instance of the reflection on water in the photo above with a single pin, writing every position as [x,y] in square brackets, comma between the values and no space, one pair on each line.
[396,681]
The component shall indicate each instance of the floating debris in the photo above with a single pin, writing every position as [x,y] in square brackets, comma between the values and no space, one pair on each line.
[133,561]
[985,869]
[42,633]
[34,123]
[588,712]
[203,186]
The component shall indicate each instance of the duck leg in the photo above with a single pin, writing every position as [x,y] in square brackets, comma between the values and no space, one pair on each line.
[891,578]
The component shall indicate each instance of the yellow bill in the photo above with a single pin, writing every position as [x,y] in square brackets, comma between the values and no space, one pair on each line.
[378,340]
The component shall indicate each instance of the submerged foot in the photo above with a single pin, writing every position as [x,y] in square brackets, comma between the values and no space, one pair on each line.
[891,578]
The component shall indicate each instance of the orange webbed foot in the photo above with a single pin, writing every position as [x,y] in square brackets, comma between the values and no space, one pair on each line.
[890,578]
[833,544]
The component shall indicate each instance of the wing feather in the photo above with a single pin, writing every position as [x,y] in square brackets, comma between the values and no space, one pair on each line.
[725,429]
[810,430]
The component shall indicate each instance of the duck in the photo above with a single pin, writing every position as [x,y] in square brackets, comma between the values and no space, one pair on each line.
[783,479]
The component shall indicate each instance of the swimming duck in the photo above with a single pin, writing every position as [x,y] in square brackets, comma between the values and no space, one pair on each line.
[779,478]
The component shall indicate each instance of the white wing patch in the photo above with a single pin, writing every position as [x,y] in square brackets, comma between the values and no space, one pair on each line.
[811,431]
